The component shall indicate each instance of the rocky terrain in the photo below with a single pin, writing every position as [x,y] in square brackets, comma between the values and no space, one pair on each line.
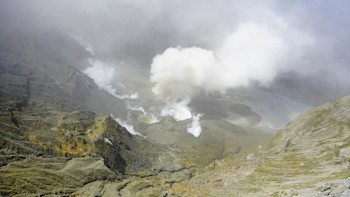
[55,142]
[57,139]
[309,157]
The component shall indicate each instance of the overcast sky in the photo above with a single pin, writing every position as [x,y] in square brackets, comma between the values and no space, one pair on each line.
[312,68]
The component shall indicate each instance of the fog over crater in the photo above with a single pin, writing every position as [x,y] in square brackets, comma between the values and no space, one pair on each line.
[279,58]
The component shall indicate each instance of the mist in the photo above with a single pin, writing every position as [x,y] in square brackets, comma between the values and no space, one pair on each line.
[182,51]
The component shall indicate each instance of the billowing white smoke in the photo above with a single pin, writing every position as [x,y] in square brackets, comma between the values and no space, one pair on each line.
[126,96]
[253,54]
[153,119]
[179,110]
[103,75]
[125,124]
[128,126]
[195,128]
[132,108]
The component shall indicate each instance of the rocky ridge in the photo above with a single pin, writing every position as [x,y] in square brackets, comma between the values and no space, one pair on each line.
[309,157]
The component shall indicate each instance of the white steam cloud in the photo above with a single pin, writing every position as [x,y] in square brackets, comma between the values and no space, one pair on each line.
[252,54]
[195,128]
[139,109]
[153,119]
[125,124]
[103,75]
[179,110]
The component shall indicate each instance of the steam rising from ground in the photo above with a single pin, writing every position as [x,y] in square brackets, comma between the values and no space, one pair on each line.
[262,47]
[195,128]
[151,118]
[179,110]
[103,75]
[129,127]
[252,54]
[132,108]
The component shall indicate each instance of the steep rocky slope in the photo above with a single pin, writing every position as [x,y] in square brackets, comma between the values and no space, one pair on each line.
[42,134]
[309,157]
[54,57]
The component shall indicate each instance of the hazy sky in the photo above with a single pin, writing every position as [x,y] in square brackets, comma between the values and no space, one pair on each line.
[309,60]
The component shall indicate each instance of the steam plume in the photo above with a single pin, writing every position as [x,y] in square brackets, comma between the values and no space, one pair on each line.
[252,54]
[103,75]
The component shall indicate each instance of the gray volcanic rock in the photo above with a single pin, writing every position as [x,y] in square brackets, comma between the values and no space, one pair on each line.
[301,159]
